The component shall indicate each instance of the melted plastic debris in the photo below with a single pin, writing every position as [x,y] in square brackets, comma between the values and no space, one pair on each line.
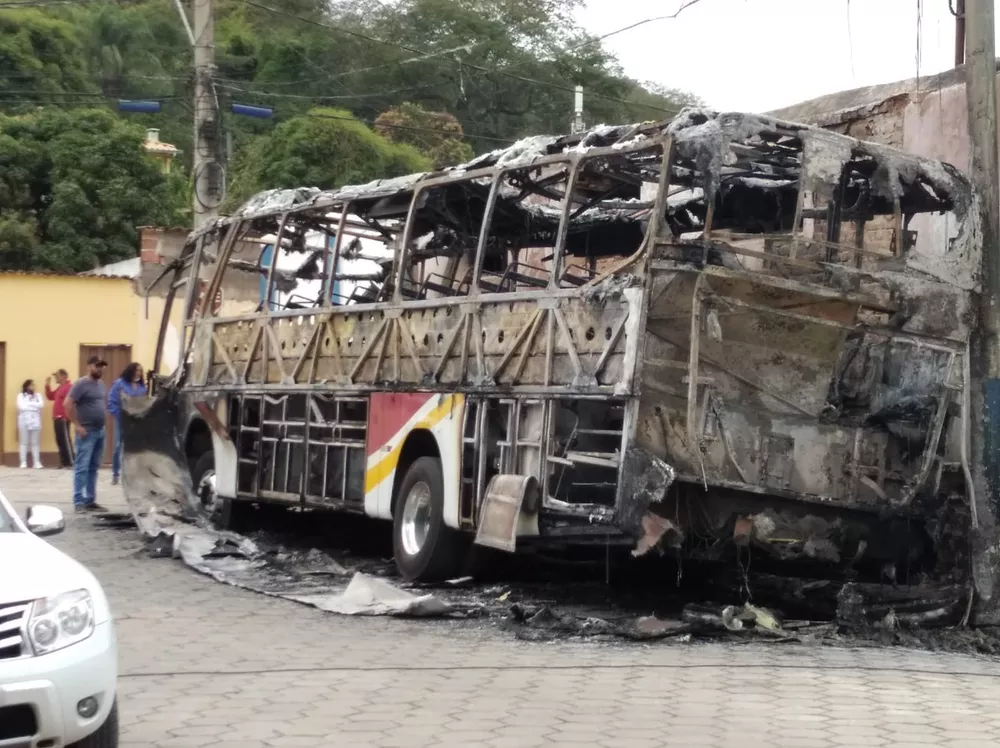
[312,578]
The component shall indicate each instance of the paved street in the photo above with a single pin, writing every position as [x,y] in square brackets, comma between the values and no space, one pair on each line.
[204,664]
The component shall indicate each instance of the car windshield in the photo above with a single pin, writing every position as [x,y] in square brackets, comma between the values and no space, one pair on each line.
[7,523]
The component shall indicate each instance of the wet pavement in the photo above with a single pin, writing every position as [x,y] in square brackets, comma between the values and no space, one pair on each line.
[207,664]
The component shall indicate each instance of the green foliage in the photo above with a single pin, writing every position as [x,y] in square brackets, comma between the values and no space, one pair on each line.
[41,58]
[515,73]
[437,134]
[323,148]
[75,187]
[454,77]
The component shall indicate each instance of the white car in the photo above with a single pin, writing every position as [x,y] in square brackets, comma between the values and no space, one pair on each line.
[58,650]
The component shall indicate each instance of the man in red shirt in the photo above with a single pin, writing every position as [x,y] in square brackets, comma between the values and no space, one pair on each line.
[58,398]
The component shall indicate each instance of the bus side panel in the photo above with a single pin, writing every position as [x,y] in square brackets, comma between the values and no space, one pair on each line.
[392,417]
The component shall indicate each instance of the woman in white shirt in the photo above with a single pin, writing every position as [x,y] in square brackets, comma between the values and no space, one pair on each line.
[29,423]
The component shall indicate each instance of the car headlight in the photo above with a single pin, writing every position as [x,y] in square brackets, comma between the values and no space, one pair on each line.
[61,620]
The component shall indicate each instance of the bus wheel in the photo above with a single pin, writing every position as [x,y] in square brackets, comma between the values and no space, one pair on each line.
[425,549]
[218,510]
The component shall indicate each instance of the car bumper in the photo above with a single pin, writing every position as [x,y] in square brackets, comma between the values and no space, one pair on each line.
[53,684]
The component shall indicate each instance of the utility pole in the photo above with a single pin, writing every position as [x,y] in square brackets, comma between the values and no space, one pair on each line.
[207,172]
[577,124]
[981,95]
[959,11]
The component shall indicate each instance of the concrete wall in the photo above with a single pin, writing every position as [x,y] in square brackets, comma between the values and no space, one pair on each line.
[159,246]
[45,320]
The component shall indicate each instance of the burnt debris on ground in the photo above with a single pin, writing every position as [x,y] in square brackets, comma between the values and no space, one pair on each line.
[343,565]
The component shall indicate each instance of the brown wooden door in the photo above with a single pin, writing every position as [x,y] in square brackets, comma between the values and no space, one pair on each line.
[3,391]
[118,357]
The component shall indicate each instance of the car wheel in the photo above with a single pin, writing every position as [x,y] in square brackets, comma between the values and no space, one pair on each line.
[425,549]
[106,735]
[218,510]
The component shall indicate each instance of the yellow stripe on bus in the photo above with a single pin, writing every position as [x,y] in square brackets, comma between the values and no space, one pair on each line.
[384,467]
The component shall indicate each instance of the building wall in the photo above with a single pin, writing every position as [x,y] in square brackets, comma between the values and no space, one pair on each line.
[44,319]
[158,247]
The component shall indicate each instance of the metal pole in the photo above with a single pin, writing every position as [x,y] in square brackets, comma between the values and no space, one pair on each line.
[577,124]
[206,170]
[981,95]
[959,11]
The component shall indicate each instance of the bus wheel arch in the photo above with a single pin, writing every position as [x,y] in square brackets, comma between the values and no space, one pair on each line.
[197,443]
[200,454]
[424,547]
[419,443]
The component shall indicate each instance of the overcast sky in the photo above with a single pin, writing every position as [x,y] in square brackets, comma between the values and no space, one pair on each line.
[757,55]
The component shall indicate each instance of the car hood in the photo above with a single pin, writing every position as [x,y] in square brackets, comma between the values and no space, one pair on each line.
[34,568]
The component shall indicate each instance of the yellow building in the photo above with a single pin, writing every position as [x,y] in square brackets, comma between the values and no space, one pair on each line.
[162,153]
[51,322]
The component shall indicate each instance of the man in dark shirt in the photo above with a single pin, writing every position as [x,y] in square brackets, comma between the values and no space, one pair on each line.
[85,406]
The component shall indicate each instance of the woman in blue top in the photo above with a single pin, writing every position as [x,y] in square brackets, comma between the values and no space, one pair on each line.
[129,383]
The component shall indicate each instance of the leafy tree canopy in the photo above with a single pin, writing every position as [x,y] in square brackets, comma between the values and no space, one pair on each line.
[41,59]
[323,148]
[437,134]
[74,187]
[437,79]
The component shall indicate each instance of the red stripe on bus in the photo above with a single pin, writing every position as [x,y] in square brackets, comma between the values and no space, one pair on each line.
[388,412]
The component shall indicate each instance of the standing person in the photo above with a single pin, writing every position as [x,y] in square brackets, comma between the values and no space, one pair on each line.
[59,421]
[85,410]
[29,423]
[129,383]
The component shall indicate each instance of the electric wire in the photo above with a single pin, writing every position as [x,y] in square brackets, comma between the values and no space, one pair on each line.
[481,68]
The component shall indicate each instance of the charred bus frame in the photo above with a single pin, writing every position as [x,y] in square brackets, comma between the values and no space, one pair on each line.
[702,352]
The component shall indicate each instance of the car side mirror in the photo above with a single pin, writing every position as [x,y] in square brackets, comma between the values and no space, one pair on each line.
[45,520]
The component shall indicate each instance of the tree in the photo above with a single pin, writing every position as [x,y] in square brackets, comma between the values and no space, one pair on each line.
[323,148]
[483,72]
[75,186]
[505,70]
[436,134]
[41,60]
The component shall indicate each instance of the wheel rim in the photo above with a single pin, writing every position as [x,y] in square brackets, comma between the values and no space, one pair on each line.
[208,494]
[416,523]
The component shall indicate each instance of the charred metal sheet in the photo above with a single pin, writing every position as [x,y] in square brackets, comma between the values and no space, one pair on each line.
[645,480]
[509,510]
[155,476]
[208,413]
[658,531]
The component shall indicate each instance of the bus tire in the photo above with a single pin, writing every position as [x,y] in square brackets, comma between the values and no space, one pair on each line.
[424,548]
[219,510]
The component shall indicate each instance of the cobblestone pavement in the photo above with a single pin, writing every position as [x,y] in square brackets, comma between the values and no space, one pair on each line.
[203,664]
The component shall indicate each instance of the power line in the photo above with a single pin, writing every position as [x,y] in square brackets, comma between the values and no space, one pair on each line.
[371,94]
[637,24]
[413,50]
[40,3]
[358,71]
[480,136]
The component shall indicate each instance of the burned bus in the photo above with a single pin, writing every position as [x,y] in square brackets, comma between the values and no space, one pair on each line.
[690,337]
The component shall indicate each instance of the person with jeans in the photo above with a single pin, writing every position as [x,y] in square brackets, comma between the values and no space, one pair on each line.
[59,422]
[85,408]
[129,383]
[29,423]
